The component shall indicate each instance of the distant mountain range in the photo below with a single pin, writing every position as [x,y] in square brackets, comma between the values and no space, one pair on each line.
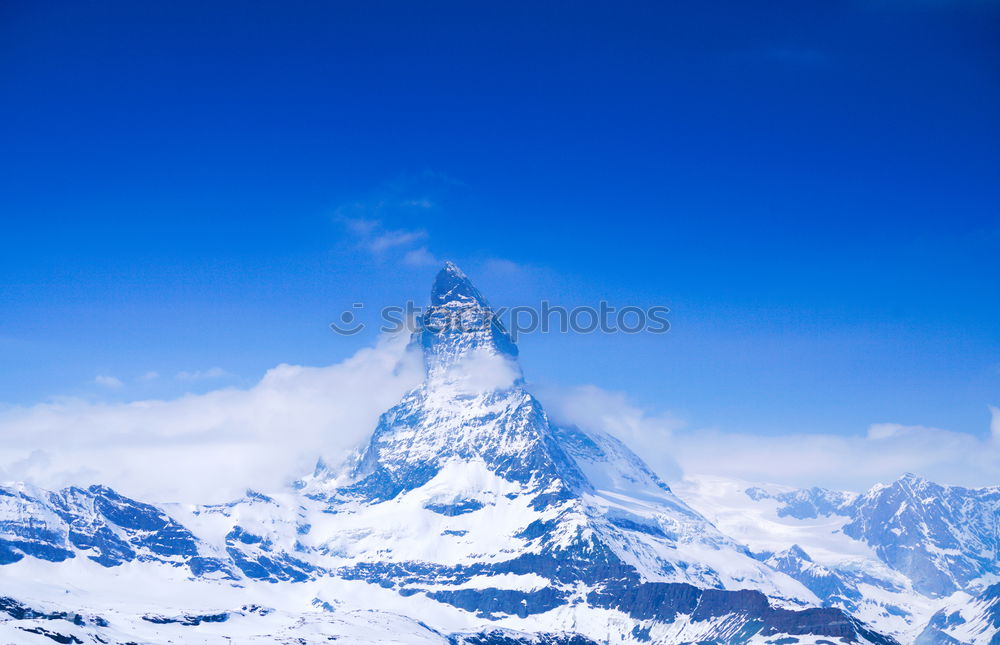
[469,517]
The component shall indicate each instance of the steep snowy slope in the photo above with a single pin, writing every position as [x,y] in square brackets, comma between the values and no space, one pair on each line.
[943,538]
[965,620]
[97,523]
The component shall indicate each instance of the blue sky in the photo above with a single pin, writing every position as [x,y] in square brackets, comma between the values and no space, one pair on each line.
[812,190]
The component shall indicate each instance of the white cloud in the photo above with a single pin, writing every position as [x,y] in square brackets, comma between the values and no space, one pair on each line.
[596,409]
[108,381]
[150,376]
[408,198]
[202,375]
[889,430]
[503,267]
[394,239]
[852,462]
[362,226]
[483,371]
[210,447]
[381,242]
[420,257]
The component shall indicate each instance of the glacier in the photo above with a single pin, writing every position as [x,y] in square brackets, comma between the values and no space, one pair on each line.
[470,517]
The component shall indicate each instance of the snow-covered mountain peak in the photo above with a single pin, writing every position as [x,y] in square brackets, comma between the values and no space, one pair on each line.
[912,481]
[452,284]
[796,551]
[471,406]
[945,538]
[460,326]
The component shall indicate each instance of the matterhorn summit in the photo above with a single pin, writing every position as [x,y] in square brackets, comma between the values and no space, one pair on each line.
[467,517]
[459,322]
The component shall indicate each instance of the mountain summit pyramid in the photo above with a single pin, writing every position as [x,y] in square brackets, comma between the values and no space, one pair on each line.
[459,324]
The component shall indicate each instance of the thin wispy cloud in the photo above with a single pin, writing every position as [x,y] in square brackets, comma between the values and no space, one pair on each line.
[382,243]
[108,381]
[395,239]
[360,226]
[507,268]
[374,222]
[202,375]
[421,257]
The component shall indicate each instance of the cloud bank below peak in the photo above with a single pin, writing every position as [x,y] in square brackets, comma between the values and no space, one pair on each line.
[851,461]
[210,447]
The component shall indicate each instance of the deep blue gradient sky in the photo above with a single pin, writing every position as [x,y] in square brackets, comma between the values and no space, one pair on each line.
[811,187]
